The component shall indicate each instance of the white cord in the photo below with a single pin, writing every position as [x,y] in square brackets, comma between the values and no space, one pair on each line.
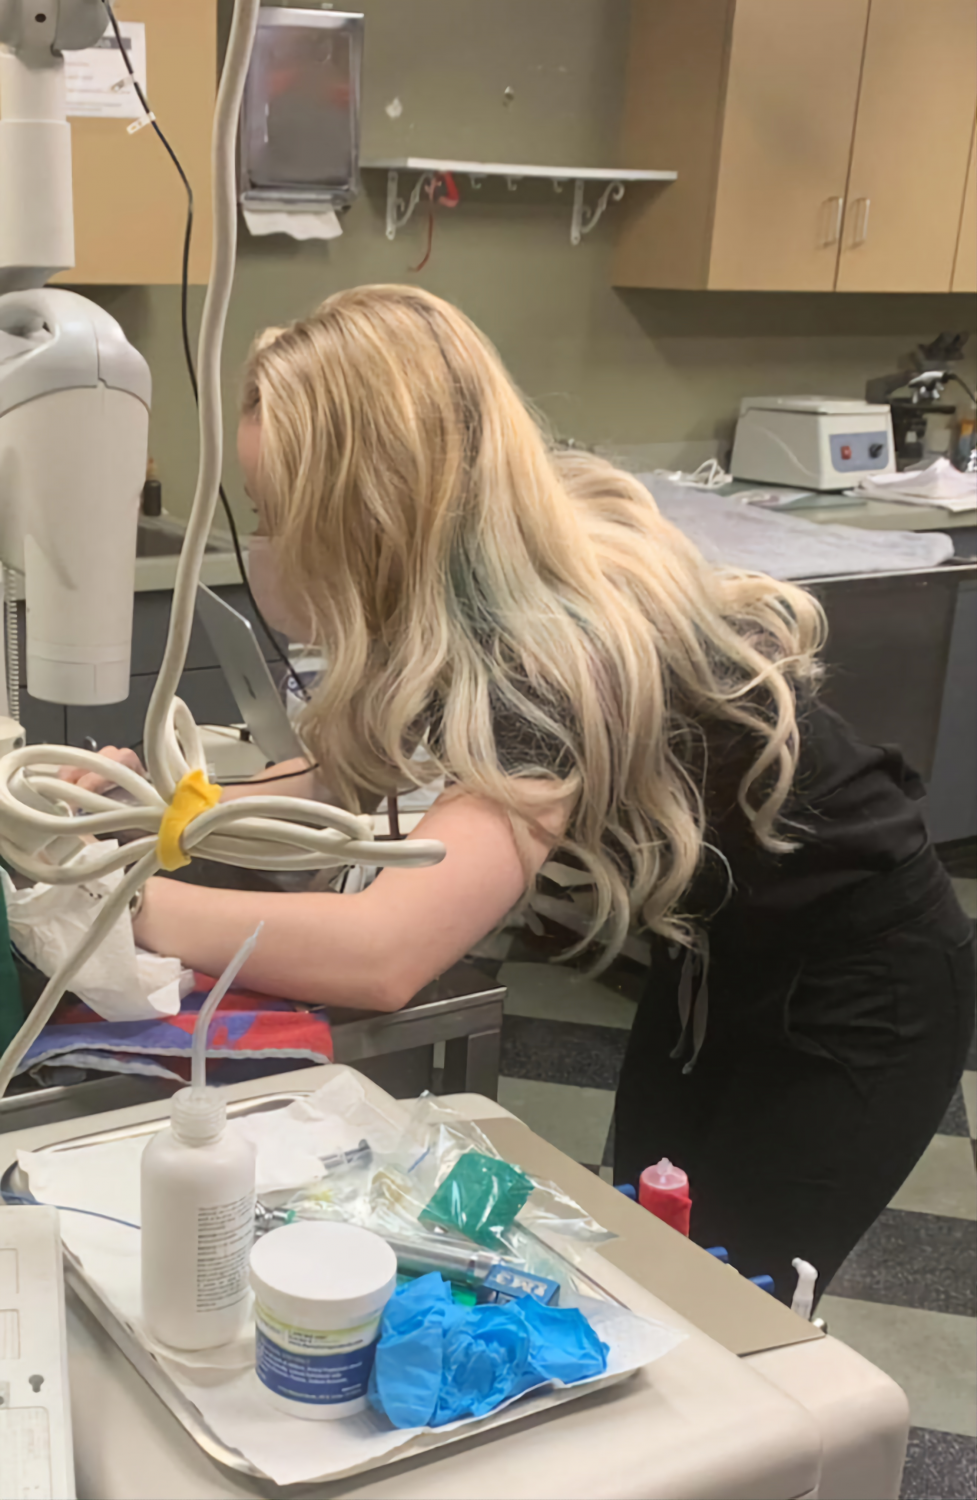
[710,475]
[43,818]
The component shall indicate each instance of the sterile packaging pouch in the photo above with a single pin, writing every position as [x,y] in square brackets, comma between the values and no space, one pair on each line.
[448,1139]
[437,1362]
[391,1194]
[119,982]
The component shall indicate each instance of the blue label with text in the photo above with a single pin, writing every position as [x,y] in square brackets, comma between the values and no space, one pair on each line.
[320,1379]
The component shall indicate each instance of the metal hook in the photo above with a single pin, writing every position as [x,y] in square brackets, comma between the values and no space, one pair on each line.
[397,214]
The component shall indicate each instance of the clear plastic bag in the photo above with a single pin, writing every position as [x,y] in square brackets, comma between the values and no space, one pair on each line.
[390,1192]
[446,1137]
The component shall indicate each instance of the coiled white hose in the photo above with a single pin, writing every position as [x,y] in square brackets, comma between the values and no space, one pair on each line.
[42,818]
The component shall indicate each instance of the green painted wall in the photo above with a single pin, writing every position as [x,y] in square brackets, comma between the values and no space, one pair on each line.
[653,376]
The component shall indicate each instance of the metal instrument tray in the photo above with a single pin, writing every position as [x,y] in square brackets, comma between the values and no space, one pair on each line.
[156,1377]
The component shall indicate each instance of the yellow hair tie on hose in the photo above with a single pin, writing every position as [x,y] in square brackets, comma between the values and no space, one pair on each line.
[194,795]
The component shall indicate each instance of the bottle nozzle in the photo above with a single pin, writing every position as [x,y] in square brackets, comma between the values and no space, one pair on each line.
[198,1050]
[665,1175]
[802,1302]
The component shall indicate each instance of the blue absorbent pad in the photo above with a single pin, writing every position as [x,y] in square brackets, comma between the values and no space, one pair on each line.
[437,1362]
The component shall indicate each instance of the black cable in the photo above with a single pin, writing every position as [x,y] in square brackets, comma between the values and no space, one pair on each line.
[966,387]
[282,655]
[263,780]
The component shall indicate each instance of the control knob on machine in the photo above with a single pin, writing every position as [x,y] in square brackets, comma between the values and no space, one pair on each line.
[875,450]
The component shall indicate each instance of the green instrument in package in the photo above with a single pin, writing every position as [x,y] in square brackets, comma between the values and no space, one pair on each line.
[480,1197]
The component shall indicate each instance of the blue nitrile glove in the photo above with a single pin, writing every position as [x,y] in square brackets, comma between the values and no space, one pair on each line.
[437,1362]
[407,1370]
[563,1346]
[485,1356]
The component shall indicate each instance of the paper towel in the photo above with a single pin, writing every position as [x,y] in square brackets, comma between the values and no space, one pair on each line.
[119,981]
[298,224]
[939,484]
[289,1143]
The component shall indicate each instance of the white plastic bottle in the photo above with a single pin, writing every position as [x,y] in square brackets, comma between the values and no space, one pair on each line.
[197,1225]
[198,1208]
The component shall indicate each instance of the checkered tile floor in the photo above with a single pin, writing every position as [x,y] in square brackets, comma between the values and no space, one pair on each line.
[906,1297]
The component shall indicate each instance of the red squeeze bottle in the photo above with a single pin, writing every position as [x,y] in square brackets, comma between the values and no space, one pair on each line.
[664,1191]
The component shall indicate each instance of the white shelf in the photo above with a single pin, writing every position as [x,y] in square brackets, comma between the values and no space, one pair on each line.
[583,220]
[517,170]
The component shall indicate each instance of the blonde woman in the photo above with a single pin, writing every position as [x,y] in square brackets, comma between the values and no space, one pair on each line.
[587,682]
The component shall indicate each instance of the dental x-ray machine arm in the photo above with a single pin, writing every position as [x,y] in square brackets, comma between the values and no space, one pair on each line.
[74,394]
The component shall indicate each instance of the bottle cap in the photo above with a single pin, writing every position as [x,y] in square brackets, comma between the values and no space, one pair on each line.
[198,1116]
[664,1175]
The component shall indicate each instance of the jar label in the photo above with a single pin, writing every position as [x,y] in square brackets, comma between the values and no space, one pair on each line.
[318,1378]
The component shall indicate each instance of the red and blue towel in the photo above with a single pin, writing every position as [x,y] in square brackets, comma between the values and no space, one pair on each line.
[250,1034]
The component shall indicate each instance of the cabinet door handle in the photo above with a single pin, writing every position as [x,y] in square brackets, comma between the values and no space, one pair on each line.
[861,233]
[836,210]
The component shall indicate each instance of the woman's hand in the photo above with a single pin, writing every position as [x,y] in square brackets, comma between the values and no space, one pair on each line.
[293,778]
[90,781]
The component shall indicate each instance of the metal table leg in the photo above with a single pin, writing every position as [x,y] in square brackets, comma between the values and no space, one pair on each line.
[471,1063]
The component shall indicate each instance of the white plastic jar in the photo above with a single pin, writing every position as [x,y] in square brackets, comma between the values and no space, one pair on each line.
[319,1289]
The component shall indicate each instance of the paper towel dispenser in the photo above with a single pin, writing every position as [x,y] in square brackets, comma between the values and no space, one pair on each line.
[300,120]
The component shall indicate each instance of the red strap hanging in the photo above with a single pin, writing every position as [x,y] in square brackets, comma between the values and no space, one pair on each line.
[442,191]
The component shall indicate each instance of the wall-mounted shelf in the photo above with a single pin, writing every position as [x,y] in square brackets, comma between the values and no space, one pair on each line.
[583,219]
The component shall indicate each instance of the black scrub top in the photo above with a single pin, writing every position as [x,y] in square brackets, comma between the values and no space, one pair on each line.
[853,812]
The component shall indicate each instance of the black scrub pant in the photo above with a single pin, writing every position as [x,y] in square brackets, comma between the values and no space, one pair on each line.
[828,1062]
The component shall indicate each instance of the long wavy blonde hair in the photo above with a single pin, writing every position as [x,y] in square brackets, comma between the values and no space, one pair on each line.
[459,571]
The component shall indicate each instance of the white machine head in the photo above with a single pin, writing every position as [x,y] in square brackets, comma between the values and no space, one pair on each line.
[74,395]
[36,217]
[74,419]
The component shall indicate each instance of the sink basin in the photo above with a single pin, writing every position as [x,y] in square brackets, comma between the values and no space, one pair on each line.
[158,538]
[158,543]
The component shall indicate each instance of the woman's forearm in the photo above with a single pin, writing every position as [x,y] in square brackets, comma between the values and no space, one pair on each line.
[316,947]
[374,950]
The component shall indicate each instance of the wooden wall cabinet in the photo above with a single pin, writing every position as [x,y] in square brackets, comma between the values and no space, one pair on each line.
[911,144]
[820,144]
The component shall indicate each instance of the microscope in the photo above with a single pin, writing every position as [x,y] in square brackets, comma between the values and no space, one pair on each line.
[926,377]
[74,394]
